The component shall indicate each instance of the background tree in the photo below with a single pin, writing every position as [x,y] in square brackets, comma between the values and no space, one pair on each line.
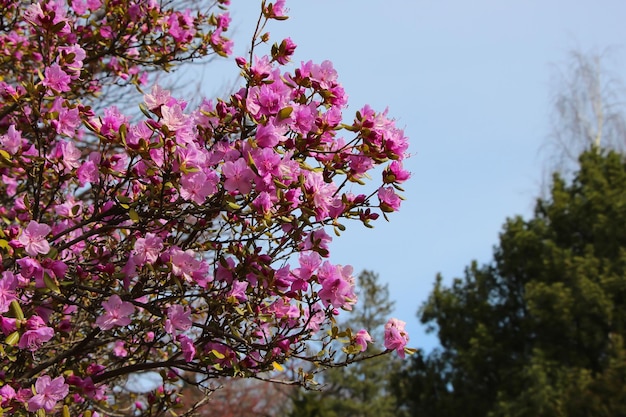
[360,389]
[588,109]
[539,331]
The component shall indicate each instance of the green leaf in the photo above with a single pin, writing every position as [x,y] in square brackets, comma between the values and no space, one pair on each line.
[58,27]
[285,113]
[252,165]
[217,354]
[52,254]
[410,351]
[123,131]
[12,339]
[232,205]
[144,110]
[51,283]
[134,216]
[17,310]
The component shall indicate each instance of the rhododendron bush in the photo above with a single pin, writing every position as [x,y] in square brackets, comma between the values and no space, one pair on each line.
[185,241]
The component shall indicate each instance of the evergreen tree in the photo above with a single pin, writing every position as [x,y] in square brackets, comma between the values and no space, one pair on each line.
[360,389]
[539,331]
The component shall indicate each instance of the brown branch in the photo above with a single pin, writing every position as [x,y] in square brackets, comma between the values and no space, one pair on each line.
[62,356]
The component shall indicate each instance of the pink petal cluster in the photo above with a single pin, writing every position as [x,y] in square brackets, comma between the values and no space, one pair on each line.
[48,392]
[8,285]
[178,319]
[34,238]
[361,339]
[396,336]
[36,335]
[177,236]
[116,313]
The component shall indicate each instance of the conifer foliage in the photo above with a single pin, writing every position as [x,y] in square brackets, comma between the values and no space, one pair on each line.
[539,331]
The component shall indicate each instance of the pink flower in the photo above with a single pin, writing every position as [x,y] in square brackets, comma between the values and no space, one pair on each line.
[7,393]
[186,344]
[184,263]
[53,15]
[87,173]
[303,118]
[359,165]
[8,283]
[362,338]
[395,173]
[180,27]
[324,74]
[267,162]
[36,335]
[34,238]
[317,239]
[276,9]
[284,51]
[117,313]
[56,79]
[268,99]
[49,392]
[34,14]
[191,156]
[309,262]
[389,200]
[112,121]
[263,202]
[93,5]
[69,208]
[323,193]
[147,249]
[79,7]
[67,122]
[31,268]
[119,350]
[11,185]
[71,155]
[178,318]
[7,325]
[336,292]
[173,117]
[396,337]
[238,176]
[239,291]
[12,141]
[197,186]
[337,285]
[261,67]
[283,278]
[269,135]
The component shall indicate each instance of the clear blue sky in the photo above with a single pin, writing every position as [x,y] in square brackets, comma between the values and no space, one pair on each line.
[471,84]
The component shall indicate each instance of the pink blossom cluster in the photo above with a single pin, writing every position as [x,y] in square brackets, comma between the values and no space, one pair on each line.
[184,240]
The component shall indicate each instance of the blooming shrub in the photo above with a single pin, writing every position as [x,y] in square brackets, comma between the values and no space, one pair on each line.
[184,240]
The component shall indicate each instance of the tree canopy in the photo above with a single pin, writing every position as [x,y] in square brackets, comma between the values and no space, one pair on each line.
[540,330]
